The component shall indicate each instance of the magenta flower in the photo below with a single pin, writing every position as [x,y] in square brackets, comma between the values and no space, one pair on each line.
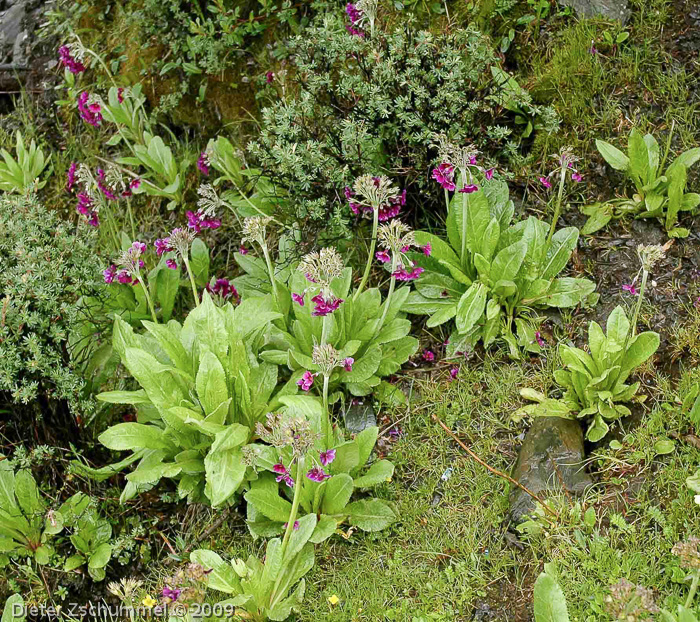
[70,176]
[383,256]
[324,307]
[348,363]
[163,246]
[198,221]
[469,188]
[538,338]
[110,274]
[203,164]
[488,174]
[171,263]
[65,57]
[593,50]
[306,381]
[317,474]
[242,250]
[269,77]
[93,219]
[172,594]
[223,288]
[298,298]
[631,289]
[327,457]
[444,174]
[545,182]
[279,468]
[385,212]
[134,183]
[296,525]
[427,249]
[576,176]
[102,185]
[287,479]
[124,277]
[90,110]
[454,371]
[404,275]
[85,204]
[428,355]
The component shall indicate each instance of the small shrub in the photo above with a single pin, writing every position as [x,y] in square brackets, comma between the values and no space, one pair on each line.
[45,268]
[366,104]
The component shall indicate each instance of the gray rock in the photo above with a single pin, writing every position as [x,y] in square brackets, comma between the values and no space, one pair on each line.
[612,9]
[359,416]
[550,441]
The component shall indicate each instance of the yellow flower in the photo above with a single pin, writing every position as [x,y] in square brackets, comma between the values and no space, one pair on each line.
[149,601]
[333,600]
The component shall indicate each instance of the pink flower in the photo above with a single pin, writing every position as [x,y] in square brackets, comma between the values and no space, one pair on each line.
[469,188]
[93,219]
[403,275]
[538,338]
[327,457]
[171,263]
[203,164]
[124,277]
[383,256]
[444,174]
[279,468]
[593,50]
[631,289]
[269,77]
[110,274]
[296,525]
[454,371]
[306,381]
[427,249]
[70,176]
[134,183]
[545,182]
[317,474]
[102,185]
[162,246]
[65,57]
[90,111]
[577,176]
[223,288]
[242,250]
[171,594]
[287,479]
[324,307]
[198,221]
[488,174]
[298,298]
[348,363]
[428,355]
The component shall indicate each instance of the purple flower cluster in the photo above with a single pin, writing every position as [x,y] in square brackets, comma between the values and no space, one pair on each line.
[225,289]
[198,221]
[306,381]
[355,15]
[325,306]
[444,174]
[283,475]
[317,474]
[298,298]
[347,364]
[405,275]
[90,111]
[65,57]
[326,457]
[631,289]
[203,164]
[70,176]
[86,207]
[171,594]
[386,212]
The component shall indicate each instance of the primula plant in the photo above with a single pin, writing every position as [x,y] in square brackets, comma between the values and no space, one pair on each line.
[202,392]
[492,276]
[24,173]
[658,194]
[594,381]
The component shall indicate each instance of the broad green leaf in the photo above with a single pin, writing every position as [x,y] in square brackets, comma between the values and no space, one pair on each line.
[601,217]
[124,397]
[132,436]
[562,246]
[199,262]
[470,308]
[27,493]
[370,514]
[550,603]
[270,504]
[613,156]
[167,284]
[638,158]
[441,316]
[365,441]
[478,218]
[337,493]
[567,292]
[618,325]
[224,474]
[211,385]
[324,529]
[380,472]
[508,261]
